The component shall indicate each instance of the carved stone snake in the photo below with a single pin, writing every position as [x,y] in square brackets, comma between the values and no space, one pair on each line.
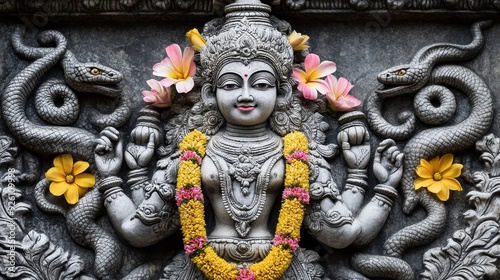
[82,77]
[432,142]
[55,140]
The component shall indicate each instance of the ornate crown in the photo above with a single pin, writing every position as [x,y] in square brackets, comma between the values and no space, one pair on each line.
[247,35]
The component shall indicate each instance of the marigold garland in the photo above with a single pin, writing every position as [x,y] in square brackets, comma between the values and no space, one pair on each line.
[192,212]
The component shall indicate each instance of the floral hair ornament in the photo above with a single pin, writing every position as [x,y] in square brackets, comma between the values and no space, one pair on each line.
[178,68]
[68,178]
[159,96]
[439,176]
[310,82]
[338,96]
[298,41]
[197,41]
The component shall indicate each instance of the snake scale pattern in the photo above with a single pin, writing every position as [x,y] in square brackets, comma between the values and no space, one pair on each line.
[55,140]
[431,142]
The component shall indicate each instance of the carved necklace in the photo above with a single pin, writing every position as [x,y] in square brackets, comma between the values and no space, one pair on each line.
[243,161]
[189,199]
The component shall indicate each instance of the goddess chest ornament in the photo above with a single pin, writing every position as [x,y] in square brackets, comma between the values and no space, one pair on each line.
[244,166]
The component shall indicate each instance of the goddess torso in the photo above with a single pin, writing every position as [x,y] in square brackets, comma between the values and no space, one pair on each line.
[242,176]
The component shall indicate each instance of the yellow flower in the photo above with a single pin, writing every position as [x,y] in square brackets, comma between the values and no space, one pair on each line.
[68,178]
[195,141]
[298,41]
[189,174]
[197,42]
[438,176]
[297,174]
[295,141]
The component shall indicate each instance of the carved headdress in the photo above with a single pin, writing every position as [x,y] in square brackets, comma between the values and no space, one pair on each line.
[247,35]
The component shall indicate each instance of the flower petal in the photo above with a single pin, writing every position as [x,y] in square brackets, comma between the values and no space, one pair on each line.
[309,92]
[319,85]
[422,182]
[85,180]
[452,184]
[187,62]
[453,171]
[435,164]
[71,194]
[79,167]
[311,62]
[185,86]
[344,86]
[443,195]
[58,188]
[58,163]
[325,68]
[55,174]
[82,191]
[435,187]
[67,161]
[299,75]
[175,54]
[445,162]
[423,172]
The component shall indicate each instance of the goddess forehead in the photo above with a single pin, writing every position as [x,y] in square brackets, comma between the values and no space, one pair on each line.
[240,69]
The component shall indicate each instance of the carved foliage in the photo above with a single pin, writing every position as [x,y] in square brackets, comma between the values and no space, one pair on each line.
[474,253]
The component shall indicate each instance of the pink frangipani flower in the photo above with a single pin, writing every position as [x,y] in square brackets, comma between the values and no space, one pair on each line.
[178,68]
[338,98]
[158,96]
[310,81]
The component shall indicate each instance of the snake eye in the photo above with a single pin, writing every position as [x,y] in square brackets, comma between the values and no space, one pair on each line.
[95,71]
[401,72]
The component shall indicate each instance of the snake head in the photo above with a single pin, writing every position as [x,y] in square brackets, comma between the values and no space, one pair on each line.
[400,79]
[94,78]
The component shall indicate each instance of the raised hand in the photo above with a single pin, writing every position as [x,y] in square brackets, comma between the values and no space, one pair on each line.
[109,152]
[143,140]
[354,141]
[388,163]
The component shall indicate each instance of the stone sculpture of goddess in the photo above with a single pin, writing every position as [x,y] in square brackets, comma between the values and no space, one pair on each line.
[243,164]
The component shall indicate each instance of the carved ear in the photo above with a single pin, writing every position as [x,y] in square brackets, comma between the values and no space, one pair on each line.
[284,97]
[208,97]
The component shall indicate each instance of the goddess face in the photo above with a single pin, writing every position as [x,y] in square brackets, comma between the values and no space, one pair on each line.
[246,94]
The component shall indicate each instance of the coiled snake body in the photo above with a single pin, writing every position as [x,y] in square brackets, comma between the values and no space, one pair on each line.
[429,143]
[54,140]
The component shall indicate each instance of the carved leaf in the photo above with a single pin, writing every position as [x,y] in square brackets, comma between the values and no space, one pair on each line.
[466,256]
[40,259]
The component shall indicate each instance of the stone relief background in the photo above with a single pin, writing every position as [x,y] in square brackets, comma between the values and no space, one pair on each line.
[362,44]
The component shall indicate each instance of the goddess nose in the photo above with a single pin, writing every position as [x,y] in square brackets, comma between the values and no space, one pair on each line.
[245,96]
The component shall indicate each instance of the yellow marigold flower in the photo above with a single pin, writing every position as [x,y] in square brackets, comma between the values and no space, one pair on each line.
[295,141]
[298,41]
[297,174]
[189,174]
[213,266]
[68,178]
[197,42]
[274,264]
[290,218]
[438,176]
[195,141]
[192,214]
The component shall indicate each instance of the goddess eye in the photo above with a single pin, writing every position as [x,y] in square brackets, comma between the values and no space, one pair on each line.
[229,86]
[262,84]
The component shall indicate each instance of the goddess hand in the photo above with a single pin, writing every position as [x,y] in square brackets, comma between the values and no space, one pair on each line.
[138,156]
[109,152]
[388,163]
[354,141]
